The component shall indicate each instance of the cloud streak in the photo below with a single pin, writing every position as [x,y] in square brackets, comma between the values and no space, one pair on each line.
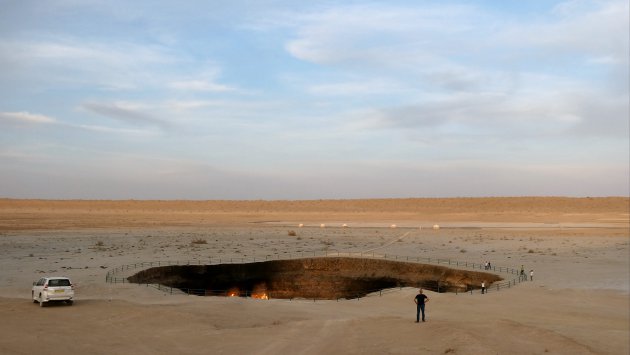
[124,113]
[26,117]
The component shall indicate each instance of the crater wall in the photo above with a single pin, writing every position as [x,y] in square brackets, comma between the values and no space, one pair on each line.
[316,278]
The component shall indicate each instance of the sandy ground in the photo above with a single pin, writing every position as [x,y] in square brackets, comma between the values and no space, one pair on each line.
[577,304]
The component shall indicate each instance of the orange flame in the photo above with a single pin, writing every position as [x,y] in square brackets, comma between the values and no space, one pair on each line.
[233,292]
[260,296]
[260,292]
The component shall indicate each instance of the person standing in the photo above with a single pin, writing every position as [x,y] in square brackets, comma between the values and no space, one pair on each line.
[483,287]
[531,275]
[420,300]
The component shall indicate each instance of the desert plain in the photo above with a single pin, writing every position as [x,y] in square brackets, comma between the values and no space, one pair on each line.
[577,303]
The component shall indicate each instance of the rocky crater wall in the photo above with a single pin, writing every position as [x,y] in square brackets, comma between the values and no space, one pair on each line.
[312,278]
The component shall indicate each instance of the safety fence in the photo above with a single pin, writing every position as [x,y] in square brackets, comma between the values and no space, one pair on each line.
[121,273]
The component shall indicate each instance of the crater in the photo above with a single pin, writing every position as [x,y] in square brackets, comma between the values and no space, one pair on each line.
[311,278]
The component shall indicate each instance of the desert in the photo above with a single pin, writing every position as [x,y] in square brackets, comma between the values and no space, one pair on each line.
[577,302]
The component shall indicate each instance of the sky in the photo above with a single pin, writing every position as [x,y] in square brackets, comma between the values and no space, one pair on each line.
[274,99]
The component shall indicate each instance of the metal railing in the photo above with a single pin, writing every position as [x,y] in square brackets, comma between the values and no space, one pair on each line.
[114,275]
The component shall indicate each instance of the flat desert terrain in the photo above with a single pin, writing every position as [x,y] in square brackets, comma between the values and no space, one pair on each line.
[577,303]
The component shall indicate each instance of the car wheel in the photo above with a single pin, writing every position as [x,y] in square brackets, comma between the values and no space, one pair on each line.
[33,297]
[41,302]
[70,302]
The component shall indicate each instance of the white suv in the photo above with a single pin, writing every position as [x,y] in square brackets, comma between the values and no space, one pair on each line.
[49,289]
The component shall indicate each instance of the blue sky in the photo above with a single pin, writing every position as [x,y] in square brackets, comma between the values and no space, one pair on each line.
[313,99]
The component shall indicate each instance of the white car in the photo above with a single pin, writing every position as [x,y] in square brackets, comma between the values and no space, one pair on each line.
[49,289]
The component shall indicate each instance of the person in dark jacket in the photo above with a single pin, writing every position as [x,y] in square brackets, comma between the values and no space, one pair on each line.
[420,300]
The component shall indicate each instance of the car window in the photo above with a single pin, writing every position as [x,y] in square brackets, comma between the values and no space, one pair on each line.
[58,282]
[41,282]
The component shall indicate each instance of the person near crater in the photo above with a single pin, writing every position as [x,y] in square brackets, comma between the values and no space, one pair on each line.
[421,299]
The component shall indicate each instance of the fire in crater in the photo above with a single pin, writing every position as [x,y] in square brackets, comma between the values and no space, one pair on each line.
[260,292]
[320,278]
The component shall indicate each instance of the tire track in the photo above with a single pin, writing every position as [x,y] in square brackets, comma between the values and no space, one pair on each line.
[397,239]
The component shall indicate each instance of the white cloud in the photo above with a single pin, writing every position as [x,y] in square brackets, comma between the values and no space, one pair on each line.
[75,62]
[465,71]
[185,105]
[122,131]
[604,60]
[206,79]
[592,30]
[124,112]
[383,35]
[200,85]
[27,117]
[396,36]
[543,115]
[358,87]
[62,62]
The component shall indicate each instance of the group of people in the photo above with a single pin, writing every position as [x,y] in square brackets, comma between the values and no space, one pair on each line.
[522,275]
[421,299]
[487,265]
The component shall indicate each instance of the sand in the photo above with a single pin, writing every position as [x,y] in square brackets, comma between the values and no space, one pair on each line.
[578,302]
